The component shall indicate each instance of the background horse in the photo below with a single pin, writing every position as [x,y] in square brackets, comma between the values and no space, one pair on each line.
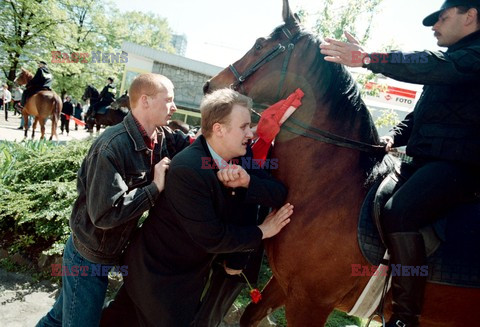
[113,115]
[312,257]
[183,126]
[41,105]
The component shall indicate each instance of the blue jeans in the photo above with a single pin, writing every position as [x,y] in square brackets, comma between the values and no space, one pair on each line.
[81,299]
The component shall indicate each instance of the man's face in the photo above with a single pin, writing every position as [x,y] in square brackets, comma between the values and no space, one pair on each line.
[449,27]
[162,106]
[237,132]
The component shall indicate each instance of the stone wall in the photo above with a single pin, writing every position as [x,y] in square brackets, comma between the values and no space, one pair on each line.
[188,84]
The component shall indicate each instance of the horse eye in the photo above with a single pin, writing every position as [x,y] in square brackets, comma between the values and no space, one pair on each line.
[258,46]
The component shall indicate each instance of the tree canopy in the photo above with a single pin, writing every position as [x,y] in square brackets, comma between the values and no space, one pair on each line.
[76,38]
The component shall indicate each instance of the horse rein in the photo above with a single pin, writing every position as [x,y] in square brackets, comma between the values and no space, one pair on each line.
[299,127]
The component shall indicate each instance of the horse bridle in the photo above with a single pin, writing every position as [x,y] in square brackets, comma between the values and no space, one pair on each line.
[289,45]
[305,130]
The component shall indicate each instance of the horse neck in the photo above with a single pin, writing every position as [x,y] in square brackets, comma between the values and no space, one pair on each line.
[335,102]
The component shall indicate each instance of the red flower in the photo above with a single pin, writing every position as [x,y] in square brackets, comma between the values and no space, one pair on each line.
[255,295]
[254,292]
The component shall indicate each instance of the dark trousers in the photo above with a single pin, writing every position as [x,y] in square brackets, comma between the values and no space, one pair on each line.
[5,106]
[25,95]
[120,312]
[434,188]
[65,123]
[221,294]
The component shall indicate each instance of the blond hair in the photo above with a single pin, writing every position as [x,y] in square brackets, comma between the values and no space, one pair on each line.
[217,106]
[149,84]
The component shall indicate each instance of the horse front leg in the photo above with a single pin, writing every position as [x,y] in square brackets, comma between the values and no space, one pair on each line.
[273,297]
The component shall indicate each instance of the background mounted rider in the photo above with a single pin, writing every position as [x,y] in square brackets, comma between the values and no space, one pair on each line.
[41,81]
[107,96]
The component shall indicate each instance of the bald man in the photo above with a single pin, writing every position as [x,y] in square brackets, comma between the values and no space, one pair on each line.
[120,178]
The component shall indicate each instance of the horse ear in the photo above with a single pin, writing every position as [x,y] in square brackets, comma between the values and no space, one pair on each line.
[287,12]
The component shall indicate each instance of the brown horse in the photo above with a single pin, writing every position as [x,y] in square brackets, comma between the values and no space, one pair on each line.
[41,105]
[311,259]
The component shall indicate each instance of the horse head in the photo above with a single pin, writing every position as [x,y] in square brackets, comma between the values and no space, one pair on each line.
[90,93]
[178,124]
[24,77]
[122,103]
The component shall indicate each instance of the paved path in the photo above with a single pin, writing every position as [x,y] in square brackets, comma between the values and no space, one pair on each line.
[9,130]
[23,301]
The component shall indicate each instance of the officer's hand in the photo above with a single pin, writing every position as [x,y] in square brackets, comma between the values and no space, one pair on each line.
[234,176]
[159,173]
[276,220]
[348,53]
[388,142]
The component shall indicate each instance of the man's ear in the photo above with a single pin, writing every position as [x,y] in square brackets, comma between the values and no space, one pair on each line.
[143,100]
[472,15]
[217,129]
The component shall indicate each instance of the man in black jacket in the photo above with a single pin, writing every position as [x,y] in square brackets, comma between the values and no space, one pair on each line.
[200,215]
[442,134]
[121,177]
[41,81]
[67,111]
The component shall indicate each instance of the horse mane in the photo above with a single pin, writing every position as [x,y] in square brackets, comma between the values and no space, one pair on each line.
[335,88]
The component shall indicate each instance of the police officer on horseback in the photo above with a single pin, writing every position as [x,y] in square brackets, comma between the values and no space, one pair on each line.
[41,81]
[107,96]
[442,134]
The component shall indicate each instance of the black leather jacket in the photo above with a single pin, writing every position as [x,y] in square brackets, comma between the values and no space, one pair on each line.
[445,123]
[115,188]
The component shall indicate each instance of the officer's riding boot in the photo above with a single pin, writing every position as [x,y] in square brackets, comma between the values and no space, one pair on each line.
[408,284]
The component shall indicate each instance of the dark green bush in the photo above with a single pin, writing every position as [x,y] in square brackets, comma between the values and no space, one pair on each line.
[37,190]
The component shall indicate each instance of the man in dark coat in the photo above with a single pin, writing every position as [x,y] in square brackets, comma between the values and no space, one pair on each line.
[442,134]
[199,216]
[41,81]
[67,111]
[107,96]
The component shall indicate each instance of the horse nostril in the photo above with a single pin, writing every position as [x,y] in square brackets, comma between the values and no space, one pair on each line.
[205,87]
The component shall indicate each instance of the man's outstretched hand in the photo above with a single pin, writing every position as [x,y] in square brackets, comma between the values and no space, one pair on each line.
[348,53]
[276,220]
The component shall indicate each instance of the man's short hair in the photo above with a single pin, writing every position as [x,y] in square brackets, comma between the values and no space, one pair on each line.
[110,79]
[464,9]
[217,106]
[149,84]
